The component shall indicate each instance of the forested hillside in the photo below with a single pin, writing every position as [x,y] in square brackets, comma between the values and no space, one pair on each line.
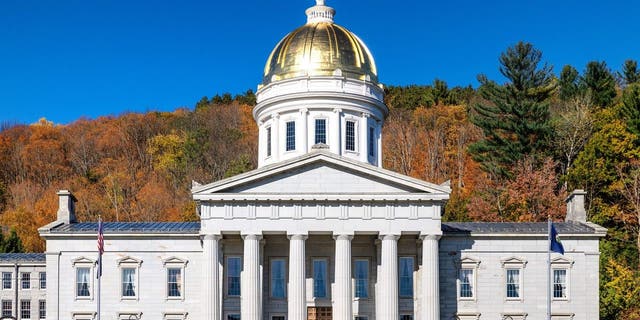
[512,149]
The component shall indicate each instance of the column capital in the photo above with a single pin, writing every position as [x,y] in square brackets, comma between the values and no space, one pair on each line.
[275,115]
[337,110]
[424,236]
[297,236]
[252,236]
[304,110]
[366,114]
[342,236]
[388,236]
[212,236]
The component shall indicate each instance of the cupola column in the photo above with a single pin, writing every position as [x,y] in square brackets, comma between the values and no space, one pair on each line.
[304,125]
[275,140]
[364,146]
[335,133]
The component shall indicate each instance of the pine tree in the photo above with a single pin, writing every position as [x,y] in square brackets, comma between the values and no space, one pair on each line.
[600,83]
[515,117]
[630,109]
[569,83]
[630,73]
[13,244]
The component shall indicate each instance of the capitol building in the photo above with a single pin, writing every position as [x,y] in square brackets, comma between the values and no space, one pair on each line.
[320,230]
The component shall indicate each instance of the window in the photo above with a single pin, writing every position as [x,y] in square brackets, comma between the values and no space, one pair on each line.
[25,309]
[277,317]
[467,278]
[406,277]
[466,283]
[513,283]
[6,280]
[350,136]
[25,280]
[43,280]
[174,282]
[291,136]
[278,280]
[560,283]
[321,131]
[320,278]
[362,278]
[7,308]
[42,309]
[233,317]
[268,141]
[175,277]
[371,141]
[361,318]
[129,282]
[233,268]
[82,281]
[406,317]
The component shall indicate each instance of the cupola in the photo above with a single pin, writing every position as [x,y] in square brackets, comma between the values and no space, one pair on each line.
[320,86]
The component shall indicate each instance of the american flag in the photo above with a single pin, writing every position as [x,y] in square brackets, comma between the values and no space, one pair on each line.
[100,247]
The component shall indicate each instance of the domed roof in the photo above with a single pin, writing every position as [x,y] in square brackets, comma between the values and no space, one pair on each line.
[320,48]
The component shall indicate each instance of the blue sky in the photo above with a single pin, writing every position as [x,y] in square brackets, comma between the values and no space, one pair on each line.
[75,58]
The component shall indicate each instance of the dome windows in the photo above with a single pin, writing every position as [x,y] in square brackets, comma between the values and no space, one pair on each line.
[291,136]
[321,131]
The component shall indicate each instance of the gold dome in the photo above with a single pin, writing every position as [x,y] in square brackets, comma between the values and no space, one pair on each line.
[320,48]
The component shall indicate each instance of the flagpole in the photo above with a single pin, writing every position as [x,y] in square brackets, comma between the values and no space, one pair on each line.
[99,265]
[548,268]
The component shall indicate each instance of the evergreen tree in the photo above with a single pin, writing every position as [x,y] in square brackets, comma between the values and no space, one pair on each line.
[12,244]
[630,73]
[569,83]
[600,83]
[515,117]
[631,107]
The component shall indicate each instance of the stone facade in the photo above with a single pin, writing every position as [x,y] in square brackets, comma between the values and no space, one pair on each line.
[23,287]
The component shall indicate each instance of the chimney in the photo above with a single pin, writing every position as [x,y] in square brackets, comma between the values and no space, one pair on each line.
[576,206]
[66,206]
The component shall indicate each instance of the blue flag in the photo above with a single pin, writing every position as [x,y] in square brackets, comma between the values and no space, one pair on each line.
[556,245]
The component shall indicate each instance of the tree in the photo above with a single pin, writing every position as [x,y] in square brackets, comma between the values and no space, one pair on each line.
[514,117]
[569,83]
[600,83]
[572,127]
[12,244]
[630,109]
[630,73]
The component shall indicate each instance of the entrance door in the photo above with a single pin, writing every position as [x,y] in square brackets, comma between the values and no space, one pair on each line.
[319,313]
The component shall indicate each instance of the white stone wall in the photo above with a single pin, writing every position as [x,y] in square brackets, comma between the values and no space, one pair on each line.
[490,301]
[151,253]
[33,294]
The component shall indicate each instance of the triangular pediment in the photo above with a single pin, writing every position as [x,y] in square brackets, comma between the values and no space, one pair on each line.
[320,173]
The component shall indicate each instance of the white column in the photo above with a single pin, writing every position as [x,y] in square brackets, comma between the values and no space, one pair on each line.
[342,298]
[251,280]
[379,143]
[335,133]
[388,288]
[304,132]
[364,130]
[275,139]
[430,297]
[297,293]
[212,301]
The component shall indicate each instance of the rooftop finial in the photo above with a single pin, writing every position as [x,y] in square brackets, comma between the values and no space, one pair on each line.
[320,13]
